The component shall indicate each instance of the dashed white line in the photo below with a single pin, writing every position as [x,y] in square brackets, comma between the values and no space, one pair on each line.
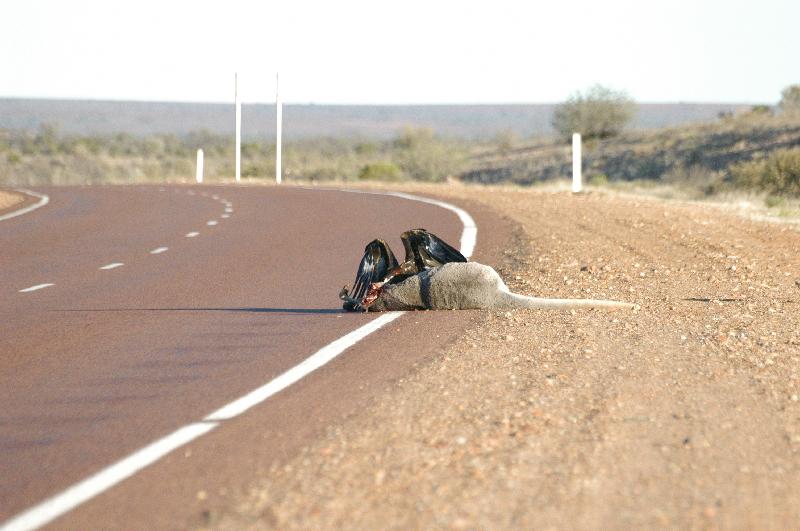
[35,288]
[229,210]
[215,197]
[159,250]
[212,222]
[113,265]
[192,234]
[225,216]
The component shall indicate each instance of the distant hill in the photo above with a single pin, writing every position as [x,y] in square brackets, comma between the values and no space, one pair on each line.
[308,121]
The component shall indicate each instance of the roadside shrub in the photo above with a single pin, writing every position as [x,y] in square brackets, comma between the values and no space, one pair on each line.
[777,174]
[506,141]
[423,156]
[773,201]
[760,110]
[254,170]
[601,179]
[366,148]
[790,99]
[599,112]
[380,171]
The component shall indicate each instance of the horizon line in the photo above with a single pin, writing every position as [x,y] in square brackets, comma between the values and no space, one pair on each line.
[355,104]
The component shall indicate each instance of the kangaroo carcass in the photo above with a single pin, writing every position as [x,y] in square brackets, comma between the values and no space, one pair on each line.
[434,276]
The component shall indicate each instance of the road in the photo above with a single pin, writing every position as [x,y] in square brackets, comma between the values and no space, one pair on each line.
[128,312]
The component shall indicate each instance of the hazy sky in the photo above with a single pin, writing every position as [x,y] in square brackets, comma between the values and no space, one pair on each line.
[348,51]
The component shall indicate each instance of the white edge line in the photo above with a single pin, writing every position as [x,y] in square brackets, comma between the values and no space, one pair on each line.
[35,288]
[469,235]
[43,200]
[90,487]
[310,364]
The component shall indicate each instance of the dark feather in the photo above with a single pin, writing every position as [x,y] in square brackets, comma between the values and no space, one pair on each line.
[426,250]
[375,265]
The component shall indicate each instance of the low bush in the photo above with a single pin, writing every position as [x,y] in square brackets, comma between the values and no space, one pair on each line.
[776,174]
[601,179]
[773,201]
[380,171]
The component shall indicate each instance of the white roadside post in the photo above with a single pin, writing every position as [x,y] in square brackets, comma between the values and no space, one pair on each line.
[278,130]
[576,162]
[238,148]
[199,174]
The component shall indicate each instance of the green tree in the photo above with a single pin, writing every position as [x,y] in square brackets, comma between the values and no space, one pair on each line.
[599,112]
[790,99]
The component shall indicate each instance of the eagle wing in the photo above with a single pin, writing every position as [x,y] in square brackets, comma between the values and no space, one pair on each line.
[375,265]
[439,250]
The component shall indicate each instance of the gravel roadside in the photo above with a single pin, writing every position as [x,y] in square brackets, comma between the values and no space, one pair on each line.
[684,414]
[9,199]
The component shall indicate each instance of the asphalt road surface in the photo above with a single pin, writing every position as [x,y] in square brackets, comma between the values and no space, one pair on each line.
[128,312]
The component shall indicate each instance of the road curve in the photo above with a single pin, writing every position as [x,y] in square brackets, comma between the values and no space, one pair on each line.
[161,304]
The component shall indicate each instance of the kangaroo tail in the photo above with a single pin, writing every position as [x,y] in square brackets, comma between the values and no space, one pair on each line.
[513,300]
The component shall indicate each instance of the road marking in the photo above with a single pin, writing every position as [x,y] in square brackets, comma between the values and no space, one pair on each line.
[469,235]
[228,210]
[215,197]
[68,499]
[75,495]
[225,216]
[35,288]
[192,234]
[43,200]
[159,250]
[112,266]
[310,364]
[212,222]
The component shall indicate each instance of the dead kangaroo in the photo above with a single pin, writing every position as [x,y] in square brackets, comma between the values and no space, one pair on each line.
[435,276]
